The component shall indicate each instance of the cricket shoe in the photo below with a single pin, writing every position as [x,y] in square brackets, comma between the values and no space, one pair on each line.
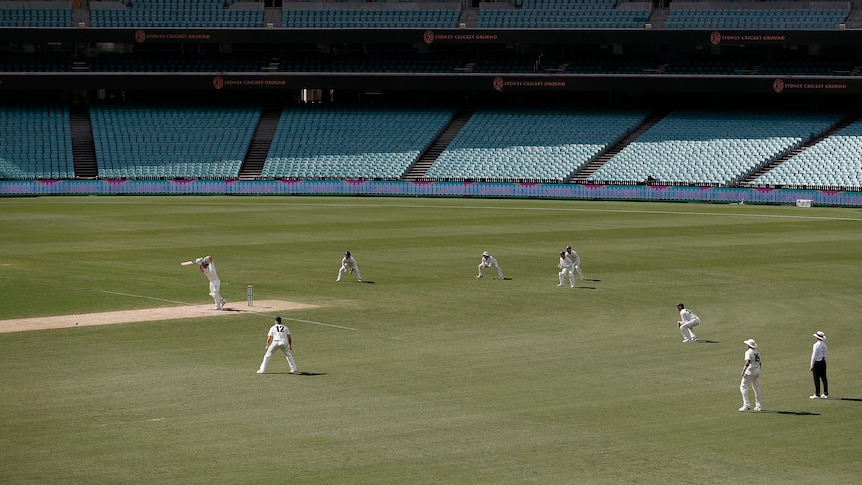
[758,408]
[824,396]
[260,372]
[814,397]
[744,409]
[560,286]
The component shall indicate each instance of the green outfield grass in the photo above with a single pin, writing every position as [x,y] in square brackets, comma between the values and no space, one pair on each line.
[429,375]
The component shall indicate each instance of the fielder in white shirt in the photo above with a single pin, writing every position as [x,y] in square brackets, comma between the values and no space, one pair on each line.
[348,264]
[818,366]
[576,261]
[278,338]
[751,376]
[207,267]
[488,261]
[687,320]
[566,270]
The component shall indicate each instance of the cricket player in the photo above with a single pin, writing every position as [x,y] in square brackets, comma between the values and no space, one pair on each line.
[566,269]
[488,261]
[576,261]
[348,264]
[818,366]
[751,376]
[207,267]
[278,338]
[687,321]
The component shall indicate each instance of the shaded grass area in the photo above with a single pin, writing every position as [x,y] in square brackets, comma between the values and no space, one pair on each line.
[447,378]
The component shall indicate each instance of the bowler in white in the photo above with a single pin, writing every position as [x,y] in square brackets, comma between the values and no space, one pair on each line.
[751,376]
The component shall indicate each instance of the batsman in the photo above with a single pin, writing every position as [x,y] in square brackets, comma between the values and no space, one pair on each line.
[207,267]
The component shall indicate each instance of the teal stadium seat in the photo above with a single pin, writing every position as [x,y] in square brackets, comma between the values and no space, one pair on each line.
[320,142]
[201,142]
[710,148]
[505,145]
[47,150]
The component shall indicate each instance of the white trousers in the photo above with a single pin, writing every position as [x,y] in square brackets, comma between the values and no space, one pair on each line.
[215,286]
[752,380]
[686,329]
[343,270]
[567,272]
[495,266]
[275,345]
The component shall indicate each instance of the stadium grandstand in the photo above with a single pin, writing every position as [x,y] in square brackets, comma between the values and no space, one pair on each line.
[743,95]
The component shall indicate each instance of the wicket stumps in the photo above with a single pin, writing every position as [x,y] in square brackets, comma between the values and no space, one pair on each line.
[250,295]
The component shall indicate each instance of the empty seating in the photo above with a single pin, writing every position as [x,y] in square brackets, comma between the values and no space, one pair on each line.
[756,16]
[149,142]
[834,162]
[36,142]
[319,142]
[529,145]
[373,15]
[177,13]
[36,14]
[710,148]
[564,14]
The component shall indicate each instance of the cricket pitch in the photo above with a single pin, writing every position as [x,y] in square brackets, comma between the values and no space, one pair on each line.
[264,307]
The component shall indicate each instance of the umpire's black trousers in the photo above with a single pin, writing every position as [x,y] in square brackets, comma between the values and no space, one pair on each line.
[819,373]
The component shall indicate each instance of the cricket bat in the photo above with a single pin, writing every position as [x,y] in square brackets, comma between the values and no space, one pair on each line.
[187,263]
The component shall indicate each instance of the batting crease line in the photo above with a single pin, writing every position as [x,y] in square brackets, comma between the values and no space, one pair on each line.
[249,311]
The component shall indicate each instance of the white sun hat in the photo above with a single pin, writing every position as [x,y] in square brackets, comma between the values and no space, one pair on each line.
[751,343]
[820,335]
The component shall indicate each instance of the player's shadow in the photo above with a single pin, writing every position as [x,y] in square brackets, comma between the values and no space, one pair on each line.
[792,413]
[587,279]
[845,399]
[707,341]
[586,288]
[300,373]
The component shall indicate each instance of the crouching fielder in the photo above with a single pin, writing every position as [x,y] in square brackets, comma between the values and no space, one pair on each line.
[488,261]
[687,321]
[278,338]
[348,265]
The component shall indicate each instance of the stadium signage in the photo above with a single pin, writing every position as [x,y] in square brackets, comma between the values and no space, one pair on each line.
[716,38]
[429,37]
[780,86]
[219,82]
[499,84]
[142,36]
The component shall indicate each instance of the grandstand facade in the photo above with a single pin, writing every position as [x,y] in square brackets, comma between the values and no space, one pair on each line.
[707,100]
